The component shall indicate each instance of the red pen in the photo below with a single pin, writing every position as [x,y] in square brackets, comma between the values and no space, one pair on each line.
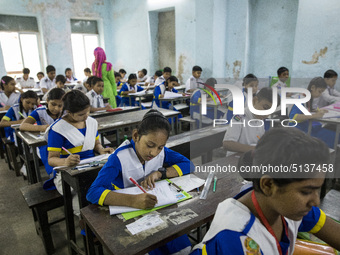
[135,183]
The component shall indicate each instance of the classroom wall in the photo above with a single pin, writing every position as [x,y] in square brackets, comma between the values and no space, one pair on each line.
[54,25]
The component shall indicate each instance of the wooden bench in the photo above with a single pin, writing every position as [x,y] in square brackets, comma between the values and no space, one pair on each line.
[11,152]
[41,201]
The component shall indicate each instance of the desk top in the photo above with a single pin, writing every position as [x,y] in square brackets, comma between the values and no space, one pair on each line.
[191,213]
[329,204]
[29,139]
[175,98]
[125,109]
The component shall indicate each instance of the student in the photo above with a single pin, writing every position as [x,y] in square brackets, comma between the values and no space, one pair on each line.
[316,87]
[249,81]
[88,84]
[87,73]
[8,95]
[69,76]
[242,138]
[166,74]
[95,96]
[159,91]
[76,132]
[49,82]
[330,95]
[44,117]
[141,75]
[194,81]
[150,81]
[40,75]
[60,81]
[265,218]
[18,112]
[123,75]
[283,75]
[128,88]
[142,158]
[25,81]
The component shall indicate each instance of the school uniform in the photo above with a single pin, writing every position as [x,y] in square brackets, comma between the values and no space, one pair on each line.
[158,91]
[329,96]
[11,100]
[124,163]
[326,135]
[47,83]
[29,83]
[236,230]
[279,84]
[193,83]
[13,115]
[81,87]
[239,130]
[77,141]
[145,77]
[125,98]
[96,100]
[72,79]
[150,79]
[159,80]
[230,112]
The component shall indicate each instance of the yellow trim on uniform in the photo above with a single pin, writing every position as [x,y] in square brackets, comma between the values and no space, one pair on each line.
[320,223]
[230,108]
[53,149]
[179,171]
[115,187]
[103,196]
[204,250]
[199,101]
[73,150]
[97,137]
[6,118]
[32,118]
[294,118]
[159,95]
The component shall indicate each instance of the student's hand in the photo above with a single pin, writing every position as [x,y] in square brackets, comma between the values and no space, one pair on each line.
[183,94]
[44,127]
[6,107]
[145,201]
[161,96]
[72,160]
[318,114]
[108,107]
[106,150]
[150,180]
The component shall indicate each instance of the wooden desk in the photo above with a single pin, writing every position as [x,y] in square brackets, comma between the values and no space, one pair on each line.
[125,109]
[112,233]
[146,94]
[173,99]
[330,204]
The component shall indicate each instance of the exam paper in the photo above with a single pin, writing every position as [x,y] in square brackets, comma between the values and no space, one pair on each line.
[331,114]
[168,94]
[165,196]
[138,93]
[147,222]
[188,182]
[88,160]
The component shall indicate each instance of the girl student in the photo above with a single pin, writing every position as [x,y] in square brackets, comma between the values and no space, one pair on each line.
[316,87]
[249,81]
[18,112]
[265,218]
[159,91]
[128,88]
[9,95]
[75,131]
[44,117]
[146,159]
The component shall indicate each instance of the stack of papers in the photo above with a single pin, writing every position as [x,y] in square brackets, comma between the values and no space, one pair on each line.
[168,94]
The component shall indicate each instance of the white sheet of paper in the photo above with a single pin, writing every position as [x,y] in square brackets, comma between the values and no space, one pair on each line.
[147,222]
[168,94]
[162,191]
[331,114]
[88,160]
[188,182]
[138,93]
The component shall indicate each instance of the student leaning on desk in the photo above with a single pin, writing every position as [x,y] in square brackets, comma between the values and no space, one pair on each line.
[143,159]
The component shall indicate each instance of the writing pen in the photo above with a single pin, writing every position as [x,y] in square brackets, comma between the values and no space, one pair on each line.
[21,115]
[66,150]
[135,183]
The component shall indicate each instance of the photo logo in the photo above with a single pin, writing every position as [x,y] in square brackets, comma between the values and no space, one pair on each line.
[204,97]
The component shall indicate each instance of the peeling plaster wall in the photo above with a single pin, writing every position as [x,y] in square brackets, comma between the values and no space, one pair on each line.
[54,25]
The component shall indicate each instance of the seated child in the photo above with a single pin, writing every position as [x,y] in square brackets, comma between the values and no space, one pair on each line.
[283,75]
[87,73]
[123,75]
[166,75]
[75,131]
[242,138]
[60,81]
[128,88]
[8,94]
[330,95]
[142,158]
[194,81]
[49,82]
[266,218]
[150,81]
[44,117]
[142,75]
[95,95]
[25,81]
[159,92]
[40,75]
[69,76]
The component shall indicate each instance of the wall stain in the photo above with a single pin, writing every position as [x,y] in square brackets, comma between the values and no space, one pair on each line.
[316,56]
[237,69]
[180,71]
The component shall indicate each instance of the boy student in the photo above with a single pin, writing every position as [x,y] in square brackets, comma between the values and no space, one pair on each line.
[26,81]
[150,81]
[40,75]
[141,75]
[95,95]
[166,75]
[60,81]
[242,136]
[330,95]
[49,82]
[69,76]
[283,75]
[193,82]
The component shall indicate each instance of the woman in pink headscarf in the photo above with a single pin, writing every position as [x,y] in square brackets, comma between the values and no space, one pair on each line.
[103,69]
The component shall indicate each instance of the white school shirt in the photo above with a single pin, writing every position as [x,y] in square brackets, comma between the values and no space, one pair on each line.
[244,134]
[150,79]
[12,100]
[96,100]
[159,80]
[193,83]
[30,83]
[329,96]
[72,79]
[141,79]
[47,83]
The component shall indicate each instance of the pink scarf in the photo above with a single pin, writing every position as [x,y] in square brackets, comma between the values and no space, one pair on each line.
[100,58]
